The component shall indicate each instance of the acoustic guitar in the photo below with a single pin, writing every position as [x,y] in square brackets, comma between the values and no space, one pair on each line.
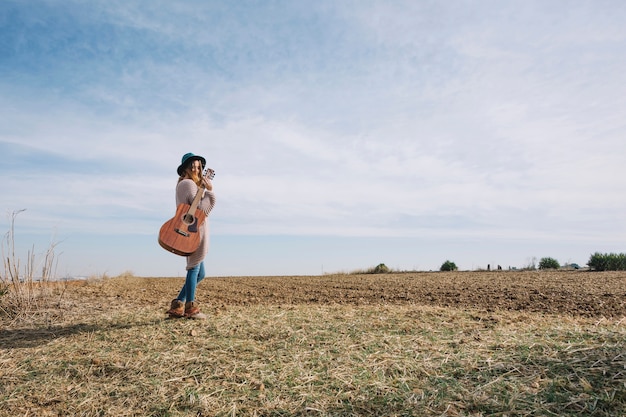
[181,234]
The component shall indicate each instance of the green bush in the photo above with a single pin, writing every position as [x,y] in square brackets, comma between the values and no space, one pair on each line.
[380,269]
[549,263]
[607,262]
[448,266]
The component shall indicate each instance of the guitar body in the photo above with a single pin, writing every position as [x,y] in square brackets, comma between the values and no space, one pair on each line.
[181,234]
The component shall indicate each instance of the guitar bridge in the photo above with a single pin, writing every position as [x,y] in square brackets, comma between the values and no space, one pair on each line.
[181,232]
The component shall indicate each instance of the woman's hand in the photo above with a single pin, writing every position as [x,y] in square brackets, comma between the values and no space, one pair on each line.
[206,179]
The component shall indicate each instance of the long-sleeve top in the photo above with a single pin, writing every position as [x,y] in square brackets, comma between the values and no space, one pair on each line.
[185,193]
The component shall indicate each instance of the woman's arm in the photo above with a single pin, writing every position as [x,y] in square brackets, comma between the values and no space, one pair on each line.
[208,202]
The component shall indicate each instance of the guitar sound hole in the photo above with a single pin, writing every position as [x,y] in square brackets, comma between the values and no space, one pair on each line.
[188,219]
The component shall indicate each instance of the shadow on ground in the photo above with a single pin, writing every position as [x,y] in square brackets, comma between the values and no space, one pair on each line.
[24,338]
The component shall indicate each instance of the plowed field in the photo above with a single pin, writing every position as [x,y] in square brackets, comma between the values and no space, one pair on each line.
[498,343]
[579,293]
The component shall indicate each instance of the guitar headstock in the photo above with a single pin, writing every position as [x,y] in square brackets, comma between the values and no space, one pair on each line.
[209,173]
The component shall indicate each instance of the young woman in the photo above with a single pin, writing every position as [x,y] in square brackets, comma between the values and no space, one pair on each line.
[190,182]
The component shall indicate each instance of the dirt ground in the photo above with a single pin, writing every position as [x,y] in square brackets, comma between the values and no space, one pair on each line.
[578,293]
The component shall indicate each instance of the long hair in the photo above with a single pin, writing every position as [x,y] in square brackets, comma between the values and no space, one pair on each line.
[188,173]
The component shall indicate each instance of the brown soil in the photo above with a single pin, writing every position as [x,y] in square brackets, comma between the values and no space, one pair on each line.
[579,293]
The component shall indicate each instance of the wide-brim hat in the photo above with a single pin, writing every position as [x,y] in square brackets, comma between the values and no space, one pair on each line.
[187,159]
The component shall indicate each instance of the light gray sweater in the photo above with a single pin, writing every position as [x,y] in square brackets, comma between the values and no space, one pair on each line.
[185,192]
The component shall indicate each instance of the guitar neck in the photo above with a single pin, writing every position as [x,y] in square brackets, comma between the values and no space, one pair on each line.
[198,197]
[196,200]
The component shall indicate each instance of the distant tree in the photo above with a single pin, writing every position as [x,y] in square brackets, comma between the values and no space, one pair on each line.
[448,266]
[549,263]
[607,261]
[380,269]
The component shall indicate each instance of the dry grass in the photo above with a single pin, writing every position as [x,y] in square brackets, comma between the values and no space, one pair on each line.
[100,355]
[22,287]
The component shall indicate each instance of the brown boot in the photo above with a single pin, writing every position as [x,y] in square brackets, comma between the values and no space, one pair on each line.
[193,312]
[177,309]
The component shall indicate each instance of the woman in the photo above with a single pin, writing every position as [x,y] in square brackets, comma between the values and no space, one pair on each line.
[190,182]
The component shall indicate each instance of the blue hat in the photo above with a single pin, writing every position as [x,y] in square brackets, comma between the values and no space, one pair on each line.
[188,158]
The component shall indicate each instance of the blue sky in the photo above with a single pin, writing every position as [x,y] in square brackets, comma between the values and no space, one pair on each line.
[343,133]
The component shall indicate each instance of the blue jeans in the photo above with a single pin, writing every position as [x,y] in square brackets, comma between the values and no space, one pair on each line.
[194,276]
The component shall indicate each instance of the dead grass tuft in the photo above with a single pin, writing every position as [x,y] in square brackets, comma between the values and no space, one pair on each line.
[24,293]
